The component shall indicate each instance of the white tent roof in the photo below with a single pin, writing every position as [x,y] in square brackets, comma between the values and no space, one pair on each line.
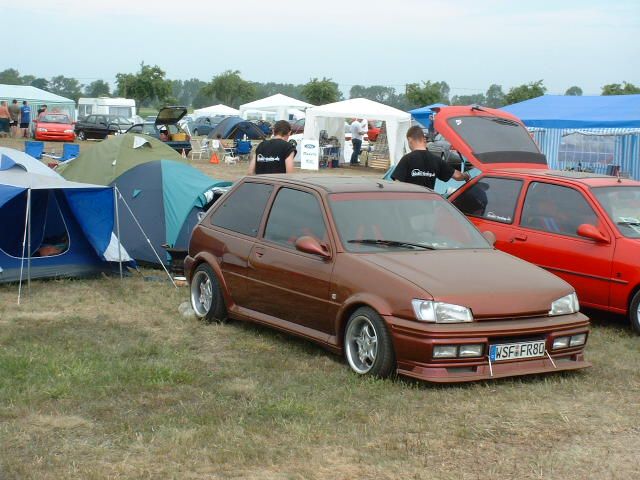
[278,103]
[213,110]
[331,117]
[30,164]
[17,177]
[31,94]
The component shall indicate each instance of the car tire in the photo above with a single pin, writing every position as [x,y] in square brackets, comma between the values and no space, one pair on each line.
[634,312]
[367,344]
[81,135]
[206,295]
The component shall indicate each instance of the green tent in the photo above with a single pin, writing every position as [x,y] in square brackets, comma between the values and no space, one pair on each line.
[107,160]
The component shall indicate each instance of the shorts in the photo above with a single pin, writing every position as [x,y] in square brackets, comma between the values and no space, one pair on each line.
[24,125]
[13,123]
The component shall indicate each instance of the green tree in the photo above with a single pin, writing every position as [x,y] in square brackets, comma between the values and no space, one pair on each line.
[322,91]
[10,76]
[574,91]
[525,92]
[97,88]
[147,86]
[271,88]
[377,93]
[495,96]
[427,94]
[41,83]
[618,89]
[185,91]
[230,88]
[475,99]
[66,87]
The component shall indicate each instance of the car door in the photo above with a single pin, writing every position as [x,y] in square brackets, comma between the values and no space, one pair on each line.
[101,127]
[547,236]
[490,203]
[286,283]
[235,223]
[89,126]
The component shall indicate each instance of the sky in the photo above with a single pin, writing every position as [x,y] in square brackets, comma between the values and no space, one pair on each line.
[470,44]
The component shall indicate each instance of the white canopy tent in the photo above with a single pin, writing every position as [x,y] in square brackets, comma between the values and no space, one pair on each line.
[331,118]
[214,110]
[278,104]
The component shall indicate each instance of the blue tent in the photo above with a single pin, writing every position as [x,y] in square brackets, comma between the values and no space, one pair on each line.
[165,197]
[236,128]
[588,132]
[423,115]
[52,227]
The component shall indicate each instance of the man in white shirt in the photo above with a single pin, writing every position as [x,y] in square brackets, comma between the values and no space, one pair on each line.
[356,140]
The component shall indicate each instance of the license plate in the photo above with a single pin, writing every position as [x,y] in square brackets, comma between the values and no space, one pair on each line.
[512,351]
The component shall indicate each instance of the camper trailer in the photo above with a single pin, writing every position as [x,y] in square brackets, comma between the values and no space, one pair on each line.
[123,107]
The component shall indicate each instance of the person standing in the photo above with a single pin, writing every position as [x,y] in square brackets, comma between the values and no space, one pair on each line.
[41,111]
[5,118]
[25,118]
[421,167]
[356,140]
[276,154]
[14,113]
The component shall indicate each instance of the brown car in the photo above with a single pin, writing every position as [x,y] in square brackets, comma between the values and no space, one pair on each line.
[389,274]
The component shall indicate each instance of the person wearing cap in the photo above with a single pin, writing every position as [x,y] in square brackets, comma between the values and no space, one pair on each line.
[421,167]
[164,134]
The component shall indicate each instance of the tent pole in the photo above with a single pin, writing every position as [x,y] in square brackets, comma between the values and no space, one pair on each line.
[29,246]
[24,243]
[145,236]
[115,199]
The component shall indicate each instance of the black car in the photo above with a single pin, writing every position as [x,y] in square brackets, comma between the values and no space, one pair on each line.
[168,117]
[99,126]
[203,125]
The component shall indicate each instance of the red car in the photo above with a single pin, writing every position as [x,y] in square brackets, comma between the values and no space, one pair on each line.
[54,126]
[584,227]
[374,129]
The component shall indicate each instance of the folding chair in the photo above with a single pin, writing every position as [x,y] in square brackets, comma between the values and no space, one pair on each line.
[199,148]
[230,152]
[69,151]
[34,149]
[243,148]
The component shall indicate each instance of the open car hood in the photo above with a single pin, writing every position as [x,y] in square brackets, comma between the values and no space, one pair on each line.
[170,115]
[490,139]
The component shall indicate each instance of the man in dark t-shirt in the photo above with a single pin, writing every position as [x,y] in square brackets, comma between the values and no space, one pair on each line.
[274,155]
[421,167]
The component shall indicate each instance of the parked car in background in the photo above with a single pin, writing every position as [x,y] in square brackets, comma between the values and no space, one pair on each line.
[99,126]
[54,126]
[374,129]
[167,117]
[204,125]
[389,274]
[583,227]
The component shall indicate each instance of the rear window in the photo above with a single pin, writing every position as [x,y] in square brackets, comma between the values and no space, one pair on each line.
[242,210]
[496,140]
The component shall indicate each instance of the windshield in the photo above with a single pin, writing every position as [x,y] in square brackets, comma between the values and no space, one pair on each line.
[374,222]
[118,120]
[54,119]
[622,204]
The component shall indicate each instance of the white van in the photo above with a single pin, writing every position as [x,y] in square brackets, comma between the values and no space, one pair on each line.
[122,107]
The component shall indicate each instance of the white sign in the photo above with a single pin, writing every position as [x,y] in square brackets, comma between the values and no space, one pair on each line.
[309,154]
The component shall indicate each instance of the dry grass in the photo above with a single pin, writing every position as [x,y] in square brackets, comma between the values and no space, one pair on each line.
[103,379]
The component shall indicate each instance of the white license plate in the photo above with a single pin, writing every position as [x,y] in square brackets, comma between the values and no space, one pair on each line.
[511,351]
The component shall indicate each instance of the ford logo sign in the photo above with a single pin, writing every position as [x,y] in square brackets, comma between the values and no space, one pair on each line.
[309,145]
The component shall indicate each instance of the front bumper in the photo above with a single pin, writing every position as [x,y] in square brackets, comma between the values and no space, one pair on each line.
[414,341]
[67,137]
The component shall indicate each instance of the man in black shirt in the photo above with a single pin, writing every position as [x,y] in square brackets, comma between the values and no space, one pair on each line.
[422,167]
[274,155]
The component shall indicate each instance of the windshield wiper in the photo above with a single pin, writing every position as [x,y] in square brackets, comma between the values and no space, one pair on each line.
[392,243]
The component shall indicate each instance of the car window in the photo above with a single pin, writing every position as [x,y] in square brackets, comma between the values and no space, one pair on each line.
[294,214]
[101,119]
[91,119]
[242,210]
[491,198]
[557,209]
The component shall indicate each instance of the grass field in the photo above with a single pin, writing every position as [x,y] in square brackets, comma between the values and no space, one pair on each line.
[105,379]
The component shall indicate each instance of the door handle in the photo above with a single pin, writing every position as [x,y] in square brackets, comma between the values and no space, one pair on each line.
[521,237]
[259,252]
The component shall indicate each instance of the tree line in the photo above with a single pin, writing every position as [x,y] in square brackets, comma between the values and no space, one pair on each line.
[150,87]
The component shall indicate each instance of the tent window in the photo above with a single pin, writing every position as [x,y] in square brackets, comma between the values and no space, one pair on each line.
[587,151]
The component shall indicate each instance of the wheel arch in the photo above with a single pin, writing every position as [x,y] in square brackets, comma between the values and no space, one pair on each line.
[214,264]
[380,306]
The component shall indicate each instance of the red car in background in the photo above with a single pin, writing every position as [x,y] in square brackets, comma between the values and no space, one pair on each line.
[583,227]
[374,129]
[54,126]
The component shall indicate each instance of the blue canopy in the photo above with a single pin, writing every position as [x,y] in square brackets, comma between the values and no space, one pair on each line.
[423,114]
[568,111]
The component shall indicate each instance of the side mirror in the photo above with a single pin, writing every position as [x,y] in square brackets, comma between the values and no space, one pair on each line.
[490,237]
[587,230]
[310,245]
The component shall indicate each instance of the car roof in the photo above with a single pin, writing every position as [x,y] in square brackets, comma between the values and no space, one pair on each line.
[342,183]
[589,179]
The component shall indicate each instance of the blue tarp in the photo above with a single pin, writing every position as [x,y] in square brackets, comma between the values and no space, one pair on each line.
[567,111]
[422,115]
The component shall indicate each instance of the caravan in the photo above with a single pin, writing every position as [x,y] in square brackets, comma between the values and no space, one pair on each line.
[122,107]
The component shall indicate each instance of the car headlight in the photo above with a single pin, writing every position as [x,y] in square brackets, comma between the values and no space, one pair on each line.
[68,131]
[565,305]
[40,129]
[439,312]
